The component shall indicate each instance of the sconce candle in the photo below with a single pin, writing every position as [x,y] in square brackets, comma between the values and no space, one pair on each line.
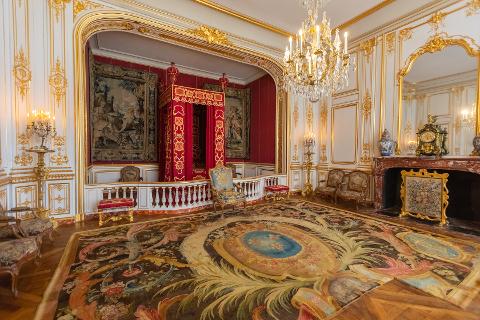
[41,124]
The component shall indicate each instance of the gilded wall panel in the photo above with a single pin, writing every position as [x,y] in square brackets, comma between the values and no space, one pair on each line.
[26,196]
[59,198]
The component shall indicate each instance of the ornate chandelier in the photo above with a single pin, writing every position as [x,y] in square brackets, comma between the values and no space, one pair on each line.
[316,66]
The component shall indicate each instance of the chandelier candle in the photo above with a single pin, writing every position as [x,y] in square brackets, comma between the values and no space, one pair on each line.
[317,66]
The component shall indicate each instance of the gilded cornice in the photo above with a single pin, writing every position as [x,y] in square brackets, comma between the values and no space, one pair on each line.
[236,14]
[184,23]
[126,21]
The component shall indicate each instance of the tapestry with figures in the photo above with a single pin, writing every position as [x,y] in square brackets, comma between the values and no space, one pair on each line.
[122,114]
[237,121]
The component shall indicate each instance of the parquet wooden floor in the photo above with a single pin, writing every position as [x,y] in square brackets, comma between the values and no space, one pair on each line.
[392,301]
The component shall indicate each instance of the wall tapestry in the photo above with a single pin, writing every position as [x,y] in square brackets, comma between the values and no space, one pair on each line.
[237,121]
[122,114]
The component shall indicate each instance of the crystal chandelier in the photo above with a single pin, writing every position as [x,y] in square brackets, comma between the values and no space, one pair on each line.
[316,66]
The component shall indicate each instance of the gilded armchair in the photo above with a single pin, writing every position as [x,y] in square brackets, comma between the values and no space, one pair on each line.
[130,174]
[334,181]
[224,191]
[354,188]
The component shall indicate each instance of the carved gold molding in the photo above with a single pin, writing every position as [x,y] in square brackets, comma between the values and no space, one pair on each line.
[80,5]
[59,198]
[367,105]
[21,72]
[295,152]
[59,158]
[406,34]
[309,116]
[367,47]
[473,7]
[58,81]
[23,159]
[365,157]
[59,6]
[295,114]
[390,42]
[211,35]
[437,21]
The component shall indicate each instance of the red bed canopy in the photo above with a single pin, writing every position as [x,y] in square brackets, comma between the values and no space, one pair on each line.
[178,131]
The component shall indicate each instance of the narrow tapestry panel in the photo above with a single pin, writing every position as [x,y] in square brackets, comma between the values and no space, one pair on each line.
[237,121]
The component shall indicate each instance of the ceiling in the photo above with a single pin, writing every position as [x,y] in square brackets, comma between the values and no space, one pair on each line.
[143,50]
[450,61]
[289,14]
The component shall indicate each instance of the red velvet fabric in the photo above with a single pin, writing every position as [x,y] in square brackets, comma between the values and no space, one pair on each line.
[262,113]
[115,203]
[277,188]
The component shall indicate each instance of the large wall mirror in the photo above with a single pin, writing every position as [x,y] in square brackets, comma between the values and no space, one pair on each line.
[441,79]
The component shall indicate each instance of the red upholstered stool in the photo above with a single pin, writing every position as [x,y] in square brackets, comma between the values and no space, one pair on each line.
[276,192]
[115,209]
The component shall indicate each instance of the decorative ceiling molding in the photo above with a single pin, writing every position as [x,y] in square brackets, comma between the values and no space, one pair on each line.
[364,14]
[230,12]
[211,35]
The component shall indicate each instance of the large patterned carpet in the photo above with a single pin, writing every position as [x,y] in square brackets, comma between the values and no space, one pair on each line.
[289,260]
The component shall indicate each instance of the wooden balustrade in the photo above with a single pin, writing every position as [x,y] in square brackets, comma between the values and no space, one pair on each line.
[173,195]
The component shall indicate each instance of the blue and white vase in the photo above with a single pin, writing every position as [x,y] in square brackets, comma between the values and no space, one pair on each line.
[386,144]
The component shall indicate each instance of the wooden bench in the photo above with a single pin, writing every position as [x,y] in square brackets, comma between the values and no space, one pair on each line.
[115,210]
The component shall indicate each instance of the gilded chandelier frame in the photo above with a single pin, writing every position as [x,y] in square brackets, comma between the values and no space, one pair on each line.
[116,20]
[437,43]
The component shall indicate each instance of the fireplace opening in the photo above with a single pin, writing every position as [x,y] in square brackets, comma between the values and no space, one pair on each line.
[463,187]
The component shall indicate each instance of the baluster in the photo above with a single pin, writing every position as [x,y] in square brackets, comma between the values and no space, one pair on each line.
[153,191]
[194,202]
[176,197]
[209,192]
[170,197]
[183,196]
[204,195]
[164,199]
[189,196]
[109,193]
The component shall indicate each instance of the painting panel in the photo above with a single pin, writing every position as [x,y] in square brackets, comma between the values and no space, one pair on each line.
[122,114]
[237,121]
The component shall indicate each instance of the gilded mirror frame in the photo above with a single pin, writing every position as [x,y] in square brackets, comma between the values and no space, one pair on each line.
[434,44]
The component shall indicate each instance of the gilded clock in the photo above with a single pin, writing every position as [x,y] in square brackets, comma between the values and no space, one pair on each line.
[432,139]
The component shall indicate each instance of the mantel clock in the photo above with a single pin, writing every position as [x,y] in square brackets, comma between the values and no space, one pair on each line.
[432,139]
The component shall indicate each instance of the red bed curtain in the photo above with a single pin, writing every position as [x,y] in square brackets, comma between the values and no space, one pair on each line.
[177,137]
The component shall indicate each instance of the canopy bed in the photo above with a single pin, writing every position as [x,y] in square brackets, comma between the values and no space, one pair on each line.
[193,132]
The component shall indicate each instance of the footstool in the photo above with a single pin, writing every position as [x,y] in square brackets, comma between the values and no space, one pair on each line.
[276,192]
[115,210]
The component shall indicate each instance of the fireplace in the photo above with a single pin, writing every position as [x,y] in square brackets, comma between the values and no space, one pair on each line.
[463,183]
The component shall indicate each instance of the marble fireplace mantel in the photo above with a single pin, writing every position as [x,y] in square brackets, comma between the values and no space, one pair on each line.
[382,164]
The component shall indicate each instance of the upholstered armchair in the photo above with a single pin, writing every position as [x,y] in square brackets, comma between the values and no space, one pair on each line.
[224,191]
[354,188]
[333,183]
[130,174]
[15,250]
[31,225]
